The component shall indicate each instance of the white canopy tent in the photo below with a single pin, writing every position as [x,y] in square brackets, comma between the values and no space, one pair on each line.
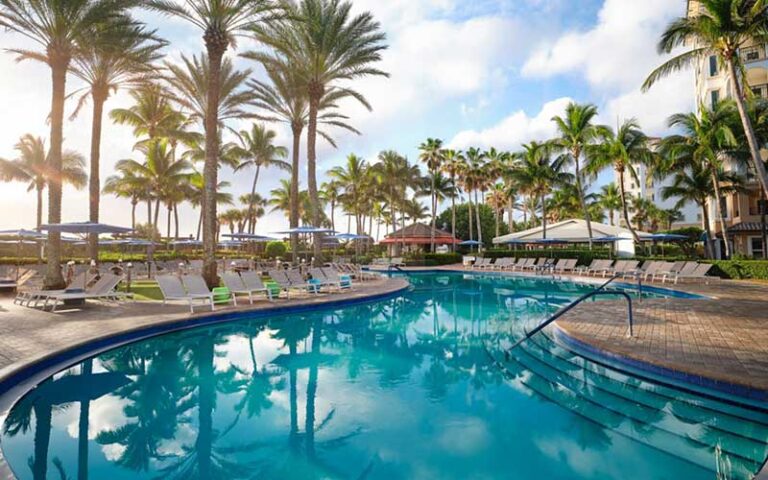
[575,231]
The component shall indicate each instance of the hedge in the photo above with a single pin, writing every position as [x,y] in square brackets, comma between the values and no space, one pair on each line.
[740,269]
[432,259]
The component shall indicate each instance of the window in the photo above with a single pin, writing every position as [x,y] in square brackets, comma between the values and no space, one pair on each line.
[752,54]
[754,204]
[724,207]
[714,97]
[756,247]
[735,203]
[713,68]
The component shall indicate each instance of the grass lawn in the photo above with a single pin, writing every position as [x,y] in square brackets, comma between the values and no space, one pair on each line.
[144,290]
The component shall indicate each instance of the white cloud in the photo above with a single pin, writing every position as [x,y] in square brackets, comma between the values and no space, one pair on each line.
[619,51]
[514,130]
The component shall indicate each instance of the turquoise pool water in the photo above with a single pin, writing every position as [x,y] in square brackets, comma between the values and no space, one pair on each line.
[399,388]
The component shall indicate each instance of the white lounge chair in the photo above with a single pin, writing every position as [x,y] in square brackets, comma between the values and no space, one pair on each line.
[103,289]
[343,281]
[297,282]
[236,286]
[173,290]
[195,285]
[253,282]
[698,273]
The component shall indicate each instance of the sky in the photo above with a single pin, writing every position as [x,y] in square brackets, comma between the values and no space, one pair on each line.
[484,73]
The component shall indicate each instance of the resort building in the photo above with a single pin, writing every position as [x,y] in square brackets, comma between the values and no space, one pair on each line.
[742,210]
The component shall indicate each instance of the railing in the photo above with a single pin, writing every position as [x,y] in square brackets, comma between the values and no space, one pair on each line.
[598,291]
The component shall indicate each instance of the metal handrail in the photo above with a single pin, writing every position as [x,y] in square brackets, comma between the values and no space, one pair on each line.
[567,308]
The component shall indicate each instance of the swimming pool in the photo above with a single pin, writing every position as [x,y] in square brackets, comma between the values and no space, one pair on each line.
[397,388]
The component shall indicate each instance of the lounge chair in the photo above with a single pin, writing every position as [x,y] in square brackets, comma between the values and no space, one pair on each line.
[501,263]
[698,273]
[563,265]
[172,290]
[253,282]
[526,263]
[103,289]
[481,263]
[319,277]
[237,286]
[676,268]
[536,264]
[195,285]
[547,265]
[343,281]
[25,298]
[582,270]
[298,282]
[600,267]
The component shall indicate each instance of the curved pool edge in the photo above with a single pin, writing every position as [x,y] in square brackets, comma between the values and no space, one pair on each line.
[717,389]
[22,376]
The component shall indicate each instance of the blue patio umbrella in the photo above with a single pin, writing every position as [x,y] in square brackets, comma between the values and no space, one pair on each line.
[307,229]
[248,237]
[230,243]
[22,233]
[469,243]
[665,237]
[608,239]
[349,236]
[84,227]
[550,241]
[185,242]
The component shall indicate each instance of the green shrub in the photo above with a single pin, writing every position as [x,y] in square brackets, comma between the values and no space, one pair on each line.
[276,249]
[740,269]
[432,259]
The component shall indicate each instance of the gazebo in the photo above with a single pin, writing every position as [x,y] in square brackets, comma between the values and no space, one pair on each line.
[418,236]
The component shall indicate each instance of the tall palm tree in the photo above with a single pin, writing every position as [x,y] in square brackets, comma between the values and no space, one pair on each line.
[431,154]
[451,166]
[123,60]
[284,100]
[538,174]
[694,184]
[221,22]
[497,200]
[622,150]
[706,138]
[257,149]
[721,28]
[609,199]
[576,132]
[194,194]
[33,166]
[324,44]
[473,178]
[396,176]
[330,192]
[59,29]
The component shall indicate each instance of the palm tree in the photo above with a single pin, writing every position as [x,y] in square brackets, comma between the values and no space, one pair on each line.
[396,176]
[123,60]
[258,150]
[473,178]
[163,174]
[707,139]
[609,199]
[285,101]
[331,194]
[577,132]
[721,28]
[127,185]
[352,177]
[694,184]
[59,28]
[497,200]
[33,166]
[622,150]
[538,174]
[323,43]
[221,22]
[432,155]
[451,166]
[194,194]
[152,115]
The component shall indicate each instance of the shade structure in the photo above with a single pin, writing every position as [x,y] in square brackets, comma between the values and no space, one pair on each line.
[665,237]
[231,243]
[307,229]
[572,231]
[350,236]
[248,237]
[469,243]
[185,242]
[550,241]
[22,234]
[420,234]
[18,242]
[84,227]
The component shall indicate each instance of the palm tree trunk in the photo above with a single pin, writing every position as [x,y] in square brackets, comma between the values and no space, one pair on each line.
[94,185]
[470,216]
[149,213]
[754,149]
[511,213]
[296,129]
[59,65]
[763,229]
[199,225]
[544,216]
[434,218]
[250,221]
[216,47]
[453,214]
[176,220]
[39,217]
[708,229]
[479,225]
[624,208]
[168,221]
[582,201]
[134,202]
[157,214]
[719,212]
[497,221]
[314,103]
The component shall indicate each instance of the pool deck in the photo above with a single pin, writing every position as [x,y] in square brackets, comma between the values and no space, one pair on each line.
[31,335]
